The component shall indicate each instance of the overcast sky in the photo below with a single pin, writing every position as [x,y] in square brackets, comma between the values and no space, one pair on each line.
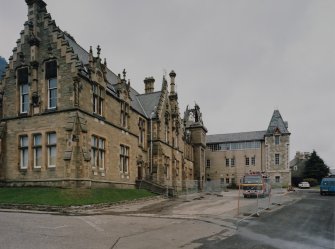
[239,60]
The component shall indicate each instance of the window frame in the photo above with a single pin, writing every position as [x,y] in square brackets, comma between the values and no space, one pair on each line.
[247,161]
[24,104]
[253,160]
[37,149]
[52,81]
[167,167]
[124,159]
[277,159]
[52,147]
[124,114]
[24,151]
[23,80]
[98,152]
[50,90]
[208,163]
[98,99]
[141,137]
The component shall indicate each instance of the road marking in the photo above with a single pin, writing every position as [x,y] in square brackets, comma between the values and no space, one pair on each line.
[53,227]
[92,224]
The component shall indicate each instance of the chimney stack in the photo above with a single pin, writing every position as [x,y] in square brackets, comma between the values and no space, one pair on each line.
[149,84]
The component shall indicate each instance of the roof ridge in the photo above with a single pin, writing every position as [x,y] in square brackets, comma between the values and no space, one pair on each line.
[142,94]
[243,132]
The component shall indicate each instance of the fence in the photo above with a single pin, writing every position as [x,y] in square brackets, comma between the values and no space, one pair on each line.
[257,203]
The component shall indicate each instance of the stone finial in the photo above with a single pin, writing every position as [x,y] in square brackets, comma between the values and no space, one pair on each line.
[172,74]
[124,74]
[90,59]
[172,84]
[98,51]
[105,62]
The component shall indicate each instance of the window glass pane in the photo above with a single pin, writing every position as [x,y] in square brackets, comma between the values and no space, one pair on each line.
[126,165]
[52,155]
[24,90]
[37,139]
[51,69]
[94,157]
[52,103]
[52,139]
[53,94]
[22,76]
[38,156]
[53,83]
[24,141]
[101,143]
[24,158]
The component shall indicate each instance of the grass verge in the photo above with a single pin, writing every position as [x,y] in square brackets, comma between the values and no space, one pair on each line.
[68,197]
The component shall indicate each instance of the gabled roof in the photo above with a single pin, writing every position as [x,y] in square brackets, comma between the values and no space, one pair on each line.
[277,124]
[236,137]
[144,104]
[83,57]
[149,101]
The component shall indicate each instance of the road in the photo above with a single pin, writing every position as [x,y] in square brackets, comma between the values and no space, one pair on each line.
[307,224]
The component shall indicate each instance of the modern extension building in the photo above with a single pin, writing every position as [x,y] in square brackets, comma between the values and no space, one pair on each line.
[68,120]
[230,156]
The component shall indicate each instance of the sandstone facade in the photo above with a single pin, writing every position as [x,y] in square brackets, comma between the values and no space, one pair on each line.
[68,120]
[230,156]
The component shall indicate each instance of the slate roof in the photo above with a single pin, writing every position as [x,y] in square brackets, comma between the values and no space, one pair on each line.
[83,57]
[236,137]
[149,101]
[142,103]
[277,122]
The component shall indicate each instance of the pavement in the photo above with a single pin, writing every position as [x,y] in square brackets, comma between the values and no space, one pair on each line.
[228,205]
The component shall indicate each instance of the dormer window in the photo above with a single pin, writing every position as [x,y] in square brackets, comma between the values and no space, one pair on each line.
[51,77]
[24,89]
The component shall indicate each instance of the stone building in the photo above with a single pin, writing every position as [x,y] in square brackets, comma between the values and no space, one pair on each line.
[230,156]
[68,120]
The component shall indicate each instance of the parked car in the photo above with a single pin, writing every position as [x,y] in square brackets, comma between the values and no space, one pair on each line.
[327,186]
[304,185]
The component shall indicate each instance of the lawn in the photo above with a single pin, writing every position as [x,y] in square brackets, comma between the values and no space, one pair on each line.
[68,197]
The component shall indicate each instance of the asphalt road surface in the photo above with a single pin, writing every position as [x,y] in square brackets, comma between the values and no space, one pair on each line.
[306,220]
[307,224]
